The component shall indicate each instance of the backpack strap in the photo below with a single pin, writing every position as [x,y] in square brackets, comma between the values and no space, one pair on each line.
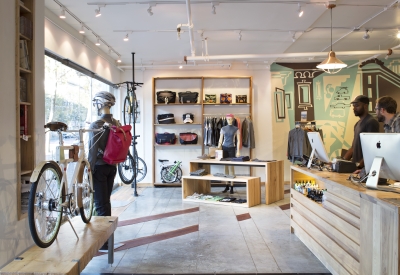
[118,126]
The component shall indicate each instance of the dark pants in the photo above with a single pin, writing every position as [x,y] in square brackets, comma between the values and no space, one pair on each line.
[228,152]
[103,181]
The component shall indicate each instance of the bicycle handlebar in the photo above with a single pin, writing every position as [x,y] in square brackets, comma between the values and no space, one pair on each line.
[129,83]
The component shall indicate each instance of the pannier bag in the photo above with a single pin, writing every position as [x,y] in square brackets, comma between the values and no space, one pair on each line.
[165,138]
[188,97]
[117,147]
[188,118]
[241,99]
[166,97]
[225,98]
[210,98]
[188,138]
[165,118]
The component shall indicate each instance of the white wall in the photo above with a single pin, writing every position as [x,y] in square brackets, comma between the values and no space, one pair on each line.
[14,235]
[262,112]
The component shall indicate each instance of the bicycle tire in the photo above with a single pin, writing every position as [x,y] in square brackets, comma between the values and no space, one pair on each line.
[127,111]
[44,224]
[126,170]
[84,192]
[168,177]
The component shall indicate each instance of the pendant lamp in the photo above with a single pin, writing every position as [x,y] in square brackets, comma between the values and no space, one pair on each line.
[331,65]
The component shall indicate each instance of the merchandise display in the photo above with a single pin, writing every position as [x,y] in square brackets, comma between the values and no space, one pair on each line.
[188,138]
[197,196]
[165,118]
[241,99]
[188,118]
[310,189]
[224,175]
[210,98]
[200,172]
[225,98]
[166,97]
[165,138]
[188,97]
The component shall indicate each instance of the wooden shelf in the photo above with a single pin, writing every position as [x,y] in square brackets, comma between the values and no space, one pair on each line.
[24,9]
[25,172]
[177,124]
[25,103]
[177,104]
[175,184]
[227,104]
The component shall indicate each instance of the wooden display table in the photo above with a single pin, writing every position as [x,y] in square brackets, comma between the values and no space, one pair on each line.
[67,255]
[274,176]
[202,185]
[354,231]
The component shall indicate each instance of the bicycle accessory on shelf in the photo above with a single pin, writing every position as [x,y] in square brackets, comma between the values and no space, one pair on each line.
[200,172]
[166,97]
[210,98]
[165,138]
[188,118]
[241,99]
[188,138]
[225,98]
[165,118]
[188,97]
[117,147]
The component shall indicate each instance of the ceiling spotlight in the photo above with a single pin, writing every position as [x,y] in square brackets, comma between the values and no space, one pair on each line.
[97,11]
[98,42]
[240,36]
[62,14]
[119,59]
[366,35]
[126,37]
[294,36]
[213,4]
[82,30]
[149,10]
[299,10]
[180,66]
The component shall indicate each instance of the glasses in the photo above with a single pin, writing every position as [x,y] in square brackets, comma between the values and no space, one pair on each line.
[377,109]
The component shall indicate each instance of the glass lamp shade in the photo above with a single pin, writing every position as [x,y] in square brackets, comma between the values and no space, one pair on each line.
[331,63]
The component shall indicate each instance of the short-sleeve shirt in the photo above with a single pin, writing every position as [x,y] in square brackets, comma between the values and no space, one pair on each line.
[229,133]
[367,125]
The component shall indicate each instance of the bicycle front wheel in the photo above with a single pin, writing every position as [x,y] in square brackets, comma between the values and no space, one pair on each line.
[168,176]
[126,170]
[85,192]
[44,207]
[127,111]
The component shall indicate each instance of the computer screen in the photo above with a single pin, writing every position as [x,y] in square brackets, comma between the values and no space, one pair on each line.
[318,148]
[381,152]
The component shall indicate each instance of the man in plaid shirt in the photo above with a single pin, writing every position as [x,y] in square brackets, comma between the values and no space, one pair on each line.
[385,109]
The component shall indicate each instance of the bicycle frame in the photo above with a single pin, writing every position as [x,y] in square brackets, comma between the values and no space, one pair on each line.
[176,165]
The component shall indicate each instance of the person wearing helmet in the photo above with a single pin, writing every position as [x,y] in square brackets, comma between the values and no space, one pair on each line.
[103,173]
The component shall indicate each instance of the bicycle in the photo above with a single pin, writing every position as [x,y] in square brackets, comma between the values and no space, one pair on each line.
[130,110]
[55,190]
[133,166]
[170,173]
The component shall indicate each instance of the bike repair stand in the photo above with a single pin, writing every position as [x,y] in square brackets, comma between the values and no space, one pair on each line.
[134,183]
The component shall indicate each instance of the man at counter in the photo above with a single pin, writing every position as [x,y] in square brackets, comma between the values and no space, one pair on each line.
[385,109]
[366,124]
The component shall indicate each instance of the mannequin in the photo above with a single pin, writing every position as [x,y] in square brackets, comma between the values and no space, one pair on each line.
[103,173]
[227,143]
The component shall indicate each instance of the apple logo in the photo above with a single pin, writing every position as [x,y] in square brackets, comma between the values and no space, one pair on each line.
[378,145]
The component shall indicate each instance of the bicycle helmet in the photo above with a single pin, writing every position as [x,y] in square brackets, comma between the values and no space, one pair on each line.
[102,99]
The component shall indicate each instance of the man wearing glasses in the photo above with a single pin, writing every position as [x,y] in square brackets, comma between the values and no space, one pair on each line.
[385,109]
[366,124]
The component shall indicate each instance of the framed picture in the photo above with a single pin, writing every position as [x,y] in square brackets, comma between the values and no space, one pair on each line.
[280,99]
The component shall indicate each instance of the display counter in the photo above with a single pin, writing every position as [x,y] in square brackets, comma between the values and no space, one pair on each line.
[353,231]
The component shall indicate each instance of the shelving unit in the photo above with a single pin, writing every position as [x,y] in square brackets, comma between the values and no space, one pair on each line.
[202,85]
[25,94]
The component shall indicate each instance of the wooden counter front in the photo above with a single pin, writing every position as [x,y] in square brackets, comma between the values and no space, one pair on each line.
[354,231]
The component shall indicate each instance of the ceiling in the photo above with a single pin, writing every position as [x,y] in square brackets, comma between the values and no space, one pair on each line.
[265,26]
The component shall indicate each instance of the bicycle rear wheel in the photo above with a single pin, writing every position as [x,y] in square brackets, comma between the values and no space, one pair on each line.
[168,176]
[127,111]
[85,192]
[126,170]
[44,207]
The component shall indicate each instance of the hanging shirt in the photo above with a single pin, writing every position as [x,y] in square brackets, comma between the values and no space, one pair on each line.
[295,144]
[247,133]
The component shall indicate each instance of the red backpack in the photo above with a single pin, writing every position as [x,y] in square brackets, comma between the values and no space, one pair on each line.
[119,140]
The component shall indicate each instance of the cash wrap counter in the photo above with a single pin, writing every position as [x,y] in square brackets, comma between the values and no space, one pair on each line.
[274,176]
[354,231]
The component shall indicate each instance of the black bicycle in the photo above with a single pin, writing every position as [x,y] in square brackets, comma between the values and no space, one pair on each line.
[130,111]
[132,167]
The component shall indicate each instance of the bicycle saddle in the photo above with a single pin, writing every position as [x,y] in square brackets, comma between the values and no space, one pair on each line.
[163,160]
[55,126]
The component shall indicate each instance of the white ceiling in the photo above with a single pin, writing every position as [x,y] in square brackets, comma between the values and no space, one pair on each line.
[266,27]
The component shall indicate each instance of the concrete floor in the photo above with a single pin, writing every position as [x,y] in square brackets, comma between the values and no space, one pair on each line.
[221,245]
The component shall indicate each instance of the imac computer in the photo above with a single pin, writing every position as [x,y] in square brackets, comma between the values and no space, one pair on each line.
[318,148]
[381,152]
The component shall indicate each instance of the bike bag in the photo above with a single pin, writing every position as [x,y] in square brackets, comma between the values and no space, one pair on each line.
[117,147]
[165,118]
[188,138]
[241,99]
[166,97]
[225,98]
[188,97]
[208,98]
[165,138]
[345,166]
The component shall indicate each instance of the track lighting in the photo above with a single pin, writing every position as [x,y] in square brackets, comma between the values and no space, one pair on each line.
[98,42]
[97,11]
[82,30]
[213,4]
[126,37]
[62,14]
[294,37]
[240,36]
[299,10]
[149,10]
[366,35]
[119,59]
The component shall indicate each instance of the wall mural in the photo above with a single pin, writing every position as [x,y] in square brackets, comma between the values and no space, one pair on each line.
[325,99]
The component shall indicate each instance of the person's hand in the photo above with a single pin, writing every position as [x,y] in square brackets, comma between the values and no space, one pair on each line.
[237,154]
[357,171]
